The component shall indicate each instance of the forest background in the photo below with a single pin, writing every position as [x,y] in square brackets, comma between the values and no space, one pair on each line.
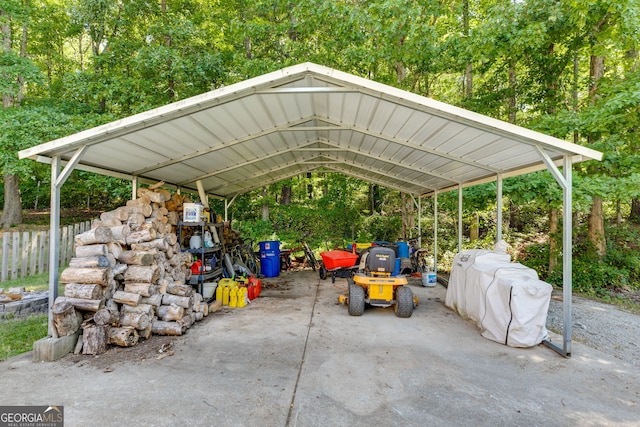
[567,68]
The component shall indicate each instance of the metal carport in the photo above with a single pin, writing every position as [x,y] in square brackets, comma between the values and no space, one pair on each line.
[307,117]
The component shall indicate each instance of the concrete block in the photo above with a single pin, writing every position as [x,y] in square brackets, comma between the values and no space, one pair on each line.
[49,349]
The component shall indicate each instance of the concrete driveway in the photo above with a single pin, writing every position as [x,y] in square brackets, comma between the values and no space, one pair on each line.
[294,357]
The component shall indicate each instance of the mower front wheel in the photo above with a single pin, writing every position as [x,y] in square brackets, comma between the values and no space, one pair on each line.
[404,302]
[356,299]
[323,272]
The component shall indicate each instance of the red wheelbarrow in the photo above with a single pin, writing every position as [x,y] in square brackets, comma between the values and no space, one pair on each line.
[339,264]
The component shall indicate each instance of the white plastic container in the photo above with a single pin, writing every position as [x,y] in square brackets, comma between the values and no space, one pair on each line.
[192,212]
[429,279]
[208,289]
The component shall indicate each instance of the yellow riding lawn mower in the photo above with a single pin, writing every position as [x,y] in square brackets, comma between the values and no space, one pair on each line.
[373,284]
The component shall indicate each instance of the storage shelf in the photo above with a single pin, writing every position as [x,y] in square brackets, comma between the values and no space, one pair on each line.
[203,253]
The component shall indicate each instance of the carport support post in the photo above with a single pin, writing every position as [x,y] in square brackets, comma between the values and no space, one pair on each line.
[435,231]
[499,208]
[57,180]
[566,182]
[460,217]
[134,188]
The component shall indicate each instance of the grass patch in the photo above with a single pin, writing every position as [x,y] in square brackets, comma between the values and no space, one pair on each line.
[17,336]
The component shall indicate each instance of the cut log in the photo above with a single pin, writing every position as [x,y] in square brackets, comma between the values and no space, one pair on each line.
[185,302]
[91,250]
[215,306]
[187,320]
[172,240]
[120,233]
[146,333]
[137,320]
[198,316]
[154,300]
[144,289]
[89,262]
[81,304]
[114,248]
[140,201]
[94,339]
[140,308]
[111,222]
[104,317]
[65,318]
[142,273]
[96,235]
[123,337]
[121,214]
[179,289]
[170,312]
[83,290]
[85,275]
[159,244]
[157,196]
[136,220]
[119,269]
[128,298]
[160,327]
[136,258]
[142,235]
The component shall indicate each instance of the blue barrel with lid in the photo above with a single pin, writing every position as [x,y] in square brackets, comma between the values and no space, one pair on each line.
[270,258]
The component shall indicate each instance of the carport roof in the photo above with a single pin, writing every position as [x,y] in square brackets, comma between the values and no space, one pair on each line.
[306,118]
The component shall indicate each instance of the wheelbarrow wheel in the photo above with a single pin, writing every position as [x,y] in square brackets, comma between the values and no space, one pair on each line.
[404,302]
[323,272]
[356,299]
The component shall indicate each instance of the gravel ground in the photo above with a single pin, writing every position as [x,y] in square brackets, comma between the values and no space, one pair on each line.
[601,326]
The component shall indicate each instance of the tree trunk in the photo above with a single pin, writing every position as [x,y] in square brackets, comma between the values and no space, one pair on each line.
[12,210]
[285,195]
[595,231]
[265,205]
[634,215]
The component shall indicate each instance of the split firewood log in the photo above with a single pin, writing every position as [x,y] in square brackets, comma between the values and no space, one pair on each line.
[159,244]
[65,318]
[95,235]
[160,327]
[105,317]
[185,302]
[83,290]
[170,312]
[91,250]
[120,233]
[142,273]
[144,289]
[82,304]
[141,235]
[124,337]
[136,257]
[89,262]
[136,320]
[179,289]
[94,339]
[154,300]
[85,275]
[128,298]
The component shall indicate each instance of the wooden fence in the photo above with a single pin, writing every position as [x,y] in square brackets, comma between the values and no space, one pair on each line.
[27,253]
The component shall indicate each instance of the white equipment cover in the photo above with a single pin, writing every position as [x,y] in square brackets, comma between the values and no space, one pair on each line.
[506,300]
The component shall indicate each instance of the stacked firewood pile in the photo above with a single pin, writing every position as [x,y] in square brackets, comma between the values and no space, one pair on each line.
[128,278]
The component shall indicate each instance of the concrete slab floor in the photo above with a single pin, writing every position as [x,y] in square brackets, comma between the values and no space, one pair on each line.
[294,357]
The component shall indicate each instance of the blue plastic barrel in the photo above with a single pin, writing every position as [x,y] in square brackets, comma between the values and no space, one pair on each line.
[270,258]
[396,269]
[403,249]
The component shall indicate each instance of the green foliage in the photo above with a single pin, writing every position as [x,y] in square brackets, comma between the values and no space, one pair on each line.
[18,335]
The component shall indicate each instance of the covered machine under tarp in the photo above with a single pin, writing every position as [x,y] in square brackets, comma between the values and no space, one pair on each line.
[506,300]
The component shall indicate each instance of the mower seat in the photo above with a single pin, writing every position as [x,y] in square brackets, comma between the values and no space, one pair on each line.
[380,261]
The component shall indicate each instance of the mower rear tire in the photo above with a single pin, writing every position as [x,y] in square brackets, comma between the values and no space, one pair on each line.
[404,302]
[356,299]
